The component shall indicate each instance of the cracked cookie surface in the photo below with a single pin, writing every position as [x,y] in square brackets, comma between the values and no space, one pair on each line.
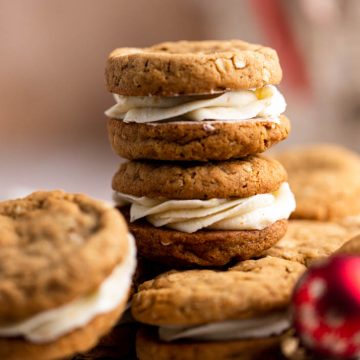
[192,297]
[191,67]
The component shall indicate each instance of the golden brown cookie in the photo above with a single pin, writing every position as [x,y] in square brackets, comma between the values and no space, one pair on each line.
[250,290]
[191,297]
[186,141]
[149,347]
[325,180]
[49,261]
[307,240]
[204,247]
[228,179]
[191,67]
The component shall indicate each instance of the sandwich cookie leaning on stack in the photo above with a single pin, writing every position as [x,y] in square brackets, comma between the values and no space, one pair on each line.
[208,100]
[204,214]
[66,264]
[241,313]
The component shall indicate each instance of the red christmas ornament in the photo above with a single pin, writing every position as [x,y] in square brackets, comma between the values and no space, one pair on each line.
[326,307]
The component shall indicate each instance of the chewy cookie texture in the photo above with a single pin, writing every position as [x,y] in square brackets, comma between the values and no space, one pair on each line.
[202,141]
[50,264]
[191,67]
[229,179]
[265,287]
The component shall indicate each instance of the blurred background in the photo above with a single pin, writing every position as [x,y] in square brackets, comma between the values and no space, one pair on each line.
[52,93]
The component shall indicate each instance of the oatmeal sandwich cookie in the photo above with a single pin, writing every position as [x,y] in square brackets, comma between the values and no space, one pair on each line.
[202,100]
[189,214]
[66,263]
[240,313]
[325,180]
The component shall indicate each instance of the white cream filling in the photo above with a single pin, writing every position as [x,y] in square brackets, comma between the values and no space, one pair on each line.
[252,213]
[270,325]
[240,105]
[52,324]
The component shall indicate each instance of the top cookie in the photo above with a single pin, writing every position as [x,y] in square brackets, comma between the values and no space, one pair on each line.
[325,180]
[49,251]
[252,288]
[191,67]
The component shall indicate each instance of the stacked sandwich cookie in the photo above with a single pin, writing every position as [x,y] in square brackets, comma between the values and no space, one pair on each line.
[204,214]
[58,297]
[192,119]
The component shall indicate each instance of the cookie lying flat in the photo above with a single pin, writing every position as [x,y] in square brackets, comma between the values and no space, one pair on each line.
[307,240]
[209,100]
[325,180]
[189,214]
[66,263]
[230,311]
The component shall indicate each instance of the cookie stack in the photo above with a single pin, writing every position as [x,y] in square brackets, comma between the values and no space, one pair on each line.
[192,118]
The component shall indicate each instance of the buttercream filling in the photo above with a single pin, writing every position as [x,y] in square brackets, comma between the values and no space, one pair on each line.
[260,327]
[241,105]
[252,213]
[49,325]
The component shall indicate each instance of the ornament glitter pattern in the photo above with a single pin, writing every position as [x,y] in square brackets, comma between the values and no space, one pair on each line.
[326,307]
